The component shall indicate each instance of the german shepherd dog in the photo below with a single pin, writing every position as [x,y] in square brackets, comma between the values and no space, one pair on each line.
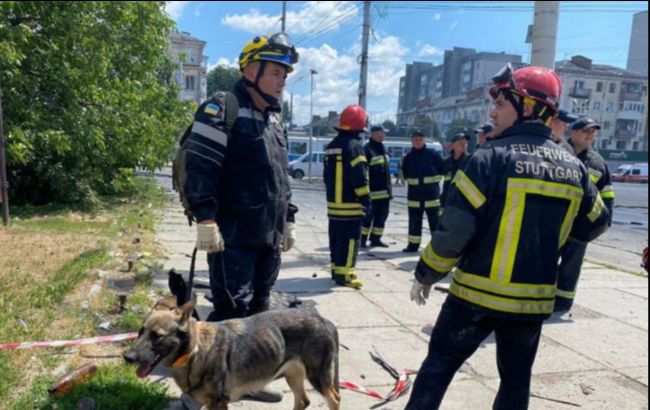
[216,363]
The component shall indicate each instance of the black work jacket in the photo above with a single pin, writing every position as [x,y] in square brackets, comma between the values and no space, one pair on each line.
[378,171]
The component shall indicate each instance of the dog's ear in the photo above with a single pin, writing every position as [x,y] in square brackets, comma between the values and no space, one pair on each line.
[166,303]
[185,311]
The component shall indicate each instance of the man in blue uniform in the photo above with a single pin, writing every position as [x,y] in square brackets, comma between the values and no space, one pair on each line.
[380,188]
[348,195]
[583,132]
[509,211]
[423,172]
[453,163]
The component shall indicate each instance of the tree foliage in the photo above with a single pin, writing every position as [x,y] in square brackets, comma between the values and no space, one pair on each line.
[222,78]
[460,125]
[87,94]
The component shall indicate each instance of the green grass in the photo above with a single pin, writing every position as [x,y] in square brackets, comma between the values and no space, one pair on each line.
[41,302]
[114,387]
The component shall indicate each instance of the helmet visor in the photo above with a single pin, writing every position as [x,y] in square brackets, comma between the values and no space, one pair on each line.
[281,42]
[502,80]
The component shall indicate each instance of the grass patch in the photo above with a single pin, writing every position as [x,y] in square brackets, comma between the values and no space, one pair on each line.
[49,261]
[114,387]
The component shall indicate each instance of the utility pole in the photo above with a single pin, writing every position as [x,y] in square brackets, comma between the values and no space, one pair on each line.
[284,16]
[311,122]
[545,33]
[4,195]
[363,80]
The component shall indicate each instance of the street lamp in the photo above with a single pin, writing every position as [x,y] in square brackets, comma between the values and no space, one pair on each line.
[311,121]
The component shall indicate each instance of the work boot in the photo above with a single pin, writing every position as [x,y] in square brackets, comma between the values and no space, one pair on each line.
[266,395]
[377,243]
[411,248]
[348,281]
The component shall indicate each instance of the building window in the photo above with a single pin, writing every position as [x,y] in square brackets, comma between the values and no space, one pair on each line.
[579,85]
[621,144]
[190,55]
[189,82]
[599,87]
[610,106]
[606,125]
[635,145]
[612,88]
[596,105]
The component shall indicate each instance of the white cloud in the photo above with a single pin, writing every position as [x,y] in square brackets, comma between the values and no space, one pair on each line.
[429,50]
[225,62]
[313,17]
[437,16]
[337,82]
[175,8]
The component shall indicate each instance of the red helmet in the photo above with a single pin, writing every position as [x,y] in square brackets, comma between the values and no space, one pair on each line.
[538,83]
[353,118]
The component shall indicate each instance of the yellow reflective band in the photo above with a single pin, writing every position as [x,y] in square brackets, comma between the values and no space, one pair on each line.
[351,251]
[523,290]
[379,194]
[343,270]
[377,231]
[437,262]
[594,178]
[413,204]
[520,306]
[364,190]
[565,294]
[415,239]
[432,204]
[336,212]
[345,205]
[512,217]
[596,210]
[432,180]
[594,173]
[607,192]
[567,223]
[365,231]
[358,160]
[448,177]
[413,181]
[378,160]
[469,190]
[338,180]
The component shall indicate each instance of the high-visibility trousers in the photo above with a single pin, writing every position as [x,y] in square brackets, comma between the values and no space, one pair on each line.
[344,245]
[572,256]
[373,224]
[416,213]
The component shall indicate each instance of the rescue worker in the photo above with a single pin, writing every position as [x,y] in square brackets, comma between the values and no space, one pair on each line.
[583,132]
[381,191]
[453,163]
[422,169]
[483,134]
[509,210]
[560,123]
[348,194]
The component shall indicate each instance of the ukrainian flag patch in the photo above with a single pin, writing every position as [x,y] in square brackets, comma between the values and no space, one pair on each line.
[211,109]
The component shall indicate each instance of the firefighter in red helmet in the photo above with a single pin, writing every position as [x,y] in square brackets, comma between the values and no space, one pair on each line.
[348,194]
[511,208]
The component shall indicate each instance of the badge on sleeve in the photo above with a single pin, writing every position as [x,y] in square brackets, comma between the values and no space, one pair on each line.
[212,109]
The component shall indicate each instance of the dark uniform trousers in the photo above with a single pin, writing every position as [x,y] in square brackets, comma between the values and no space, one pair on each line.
[248,278]
[415,219]
[459,331]
[572,254]
[344,237]
[374,223]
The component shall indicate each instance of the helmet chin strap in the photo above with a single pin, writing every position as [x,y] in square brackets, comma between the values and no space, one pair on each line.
[274,104]
[518,105]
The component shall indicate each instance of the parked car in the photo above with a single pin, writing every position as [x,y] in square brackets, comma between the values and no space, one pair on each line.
[631,173]
[299,168]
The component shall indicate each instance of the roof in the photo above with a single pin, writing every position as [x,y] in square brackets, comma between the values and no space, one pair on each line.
[567,66]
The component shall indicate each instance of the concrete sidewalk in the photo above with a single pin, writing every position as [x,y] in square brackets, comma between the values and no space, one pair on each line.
[595,359]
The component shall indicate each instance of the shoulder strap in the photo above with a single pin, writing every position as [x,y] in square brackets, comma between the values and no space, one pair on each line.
[232,111]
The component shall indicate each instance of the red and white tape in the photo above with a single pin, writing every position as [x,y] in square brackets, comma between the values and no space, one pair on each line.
[63,343]
[360,389]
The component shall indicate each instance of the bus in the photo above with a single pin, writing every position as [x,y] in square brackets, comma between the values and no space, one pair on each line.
[397,148]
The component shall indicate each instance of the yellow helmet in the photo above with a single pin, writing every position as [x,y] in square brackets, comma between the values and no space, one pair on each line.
[276,48]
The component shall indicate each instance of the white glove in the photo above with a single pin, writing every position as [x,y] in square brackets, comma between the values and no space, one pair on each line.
[289,236]
[208,238]
[420,292]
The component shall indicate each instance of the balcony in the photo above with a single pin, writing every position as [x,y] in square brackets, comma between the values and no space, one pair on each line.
[624,134]
[630,96]
[580,92]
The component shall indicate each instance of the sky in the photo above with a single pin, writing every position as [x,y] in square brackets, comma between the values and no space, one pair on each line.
[327,35]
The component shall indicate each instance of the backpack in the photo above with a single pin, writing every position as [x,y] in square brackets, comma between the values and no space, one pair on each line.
[179,174]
